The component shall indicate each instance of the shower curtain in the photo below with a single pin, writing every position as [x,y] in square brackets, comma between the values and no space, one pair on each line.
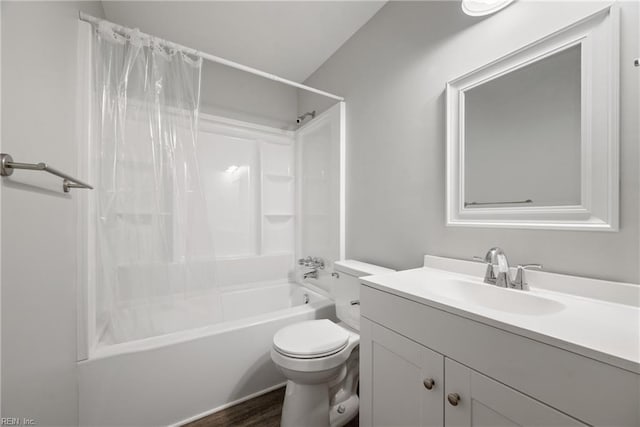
[154,251]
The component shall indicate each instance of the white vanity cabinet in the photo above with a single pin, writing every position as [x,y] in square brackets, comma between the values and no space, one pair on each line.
[472,399]
[500,377]
[403,384]
[404,381]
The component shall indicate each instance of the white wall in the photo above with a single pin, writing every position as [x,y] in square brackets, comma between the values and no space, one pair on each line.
[393,73]
[39,377]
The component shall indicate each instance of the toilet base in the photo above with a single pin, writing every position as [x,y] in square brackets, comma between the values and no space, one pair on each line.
[308,405]
[321,392]
[344,412]
[305,405]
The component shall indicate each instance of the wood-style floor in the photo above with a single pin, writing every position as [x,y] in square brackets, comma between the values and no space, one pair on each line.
[262,411]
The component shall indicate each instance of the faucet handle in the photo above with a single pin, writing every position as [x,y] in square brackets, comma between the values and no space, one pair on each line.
[489,275]
[318,263]
[307,262]
[530,266]
[520,282]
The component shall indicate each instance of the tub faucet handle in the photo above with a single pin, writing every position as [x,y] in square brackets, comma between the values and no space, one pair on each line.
[318,262]
[307,262]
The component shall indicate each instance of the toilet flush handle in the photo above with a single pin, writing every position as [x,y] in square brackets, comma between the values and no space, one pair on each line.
[355,302]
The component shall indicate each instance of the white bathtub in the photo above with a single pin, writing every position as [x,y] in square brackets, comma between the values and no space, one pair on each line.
[182,376]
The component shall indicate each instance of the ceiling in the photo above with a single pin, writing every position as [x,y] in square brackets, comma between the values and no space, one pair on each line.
[289,38]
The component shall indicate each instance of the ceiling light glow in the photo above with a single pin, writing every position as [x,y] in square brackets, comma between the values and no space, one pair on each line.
[483,7]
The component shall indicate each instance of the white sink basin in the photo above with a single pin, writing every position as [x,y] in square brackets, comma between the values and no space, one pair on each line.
[490,296]
[562,313]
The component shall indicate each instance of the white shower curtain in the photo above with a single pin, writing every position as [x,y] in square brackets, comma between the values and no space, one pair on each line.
[154,252]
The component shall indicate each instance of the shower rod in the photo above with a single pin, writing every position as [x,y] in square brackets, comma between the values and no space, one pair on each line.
[217,59]
[7,165]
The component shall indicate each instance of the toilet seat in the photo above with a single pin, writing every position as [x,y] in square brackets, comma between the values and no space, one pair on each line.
[317,363]
[311,339]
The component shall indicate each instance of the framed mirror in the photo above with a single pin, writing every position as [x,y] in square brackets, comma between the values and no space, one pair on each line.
[532,138]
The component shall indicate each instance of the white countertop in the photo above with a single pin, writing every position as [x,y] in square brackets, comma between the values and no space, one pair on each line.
[599,329]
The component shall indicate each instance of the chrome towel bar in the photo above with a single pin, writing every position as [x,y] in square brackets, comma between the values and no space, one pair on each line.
[497,203]
[7,165]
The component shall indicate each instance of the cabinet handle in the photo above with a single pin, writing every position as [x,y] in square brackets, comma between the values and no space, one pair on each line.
[429,383]
[453,399]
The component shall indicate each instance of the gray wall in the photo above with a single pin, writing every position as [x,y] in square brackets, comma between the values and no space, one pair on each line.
[393,74]
[239,95]
[38,221]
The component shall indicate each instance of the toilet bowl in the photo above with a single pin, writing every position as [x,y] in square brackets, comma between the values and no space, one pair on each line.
[320,358]
[313,357]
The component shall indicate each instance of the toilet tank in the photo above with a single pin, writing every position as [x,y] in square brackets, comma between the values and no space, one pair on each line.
[346,288]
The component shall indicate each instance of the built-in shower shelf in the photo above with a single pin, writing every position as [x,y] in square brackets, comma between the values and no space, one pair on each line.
[279,215]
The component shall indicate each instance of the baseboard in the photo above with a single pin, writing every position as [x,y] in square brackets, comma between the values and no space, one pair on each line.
[227,405]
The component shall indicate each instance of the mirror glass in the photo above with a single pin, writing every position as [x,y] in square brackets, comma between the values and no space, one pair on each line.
[522,136]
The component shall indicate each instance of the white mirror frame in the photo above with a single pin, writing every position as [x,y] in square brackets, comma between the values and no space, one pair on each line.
[598,38]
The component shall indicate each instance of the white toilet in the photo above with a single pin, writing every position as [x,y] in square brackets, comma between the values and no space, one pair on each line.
[320,357]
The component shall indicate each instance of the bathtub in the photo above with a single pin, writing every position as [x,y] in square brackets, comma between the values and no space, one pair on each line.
[182,376]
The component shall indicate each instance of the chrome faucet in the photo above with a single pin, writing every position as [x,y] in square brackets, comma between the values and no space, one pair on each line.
[498,272]
[313,274]
[314,264]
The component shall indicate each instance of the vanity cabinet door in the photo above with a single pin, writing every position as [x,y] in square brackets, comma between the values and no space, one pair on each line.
[472,399]
[402,382]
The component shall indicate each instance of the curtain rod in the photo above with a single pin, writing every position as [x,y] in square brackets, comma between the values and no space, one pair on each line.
[213,58]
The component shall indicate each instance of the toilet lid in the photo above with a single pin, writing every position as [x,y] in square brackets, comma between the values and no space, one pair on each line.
[310,339]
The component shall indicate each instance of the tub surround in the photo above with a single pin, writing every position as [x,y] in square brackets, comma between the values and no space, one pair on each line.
[183,336]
